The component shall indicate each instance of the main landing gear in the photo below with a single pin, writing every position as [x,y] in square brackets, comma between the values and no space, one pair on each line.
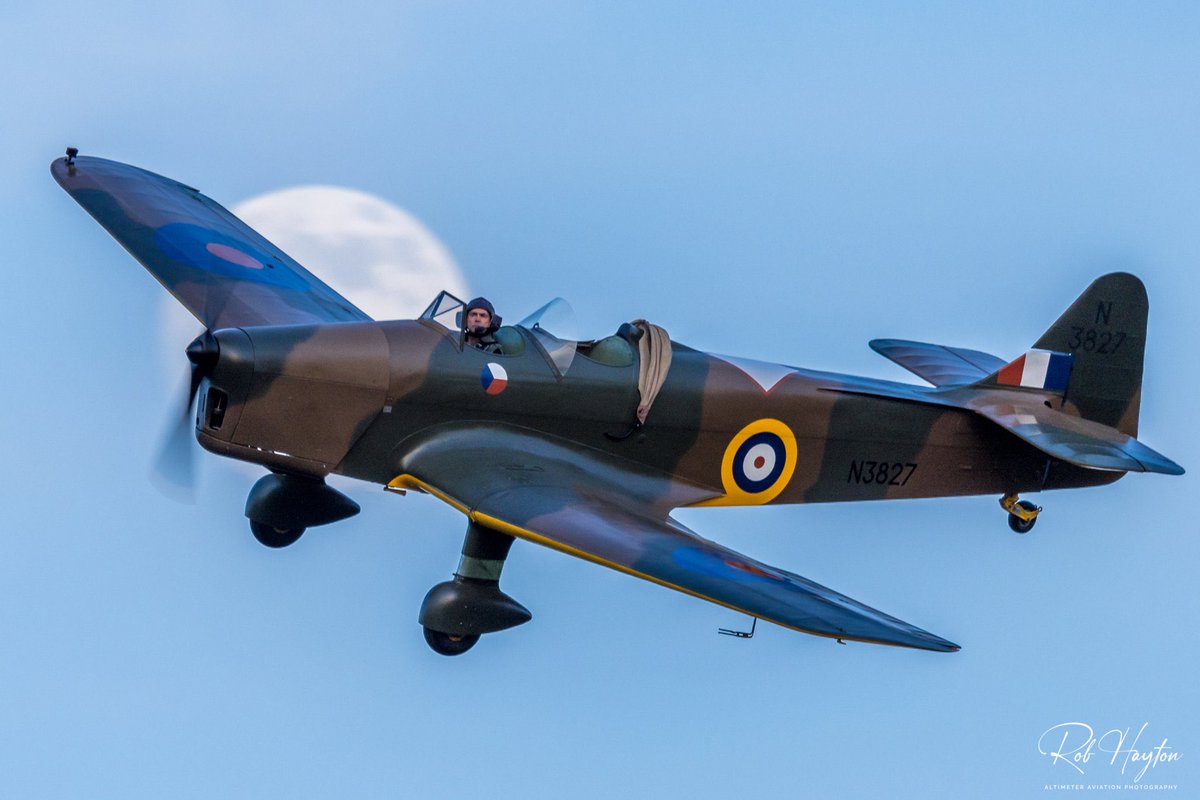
[273,537]
[1022,514]
[281,506]
[446,644]
[456,613]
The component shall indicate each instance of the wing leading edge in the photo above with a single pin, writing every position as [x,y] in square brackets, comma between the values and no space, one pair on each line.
[218,267]
[612,513]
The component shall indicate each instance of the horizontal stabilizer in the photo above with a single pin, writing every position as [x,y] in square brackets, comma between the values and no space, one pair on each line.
[1068,438]
[1073,439]
[939,364]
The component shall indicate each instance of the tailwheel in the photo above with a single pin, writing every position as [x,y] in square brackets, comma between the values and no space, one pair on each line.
[274,537]
[450,644]
[1022,514]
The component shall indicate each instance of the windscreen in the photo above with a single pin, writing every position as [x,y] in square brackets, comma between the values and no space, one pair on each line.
[446,310]
[556,329]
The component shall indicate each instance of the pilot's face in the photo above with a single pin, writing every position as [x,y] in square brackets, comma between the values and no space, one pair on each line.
[478,318]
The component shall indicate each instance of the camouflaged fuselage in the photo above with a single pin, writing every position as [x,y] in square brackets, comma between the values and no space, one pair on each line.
[353,398]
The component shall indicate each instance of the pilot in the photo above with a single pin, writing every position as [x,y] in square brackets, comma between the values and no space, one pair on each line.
[479,324]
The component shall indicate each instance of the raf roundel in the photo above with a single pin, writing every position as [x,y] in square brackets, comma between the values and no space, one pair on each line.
[212,251]
[494,378]
[758,463]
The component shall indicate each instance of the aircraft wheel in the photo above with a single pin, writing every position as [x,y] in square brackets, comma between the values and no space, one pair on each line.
[274,537]
[1022,525]
[448,644]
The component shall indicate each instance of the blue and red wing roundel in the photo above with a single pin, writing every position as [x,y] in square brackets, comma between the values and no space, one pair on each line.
[758,463]
[728,566]
[208,250]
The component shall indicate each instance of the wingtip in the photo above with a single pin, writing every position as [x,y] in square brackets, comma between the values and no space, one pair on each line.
[64,166]
[1160,464]
[938,644]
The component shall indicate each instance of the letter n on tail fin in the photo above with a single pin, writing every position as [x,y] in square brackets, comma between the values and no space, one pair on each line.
[1105,331]
[1092,355]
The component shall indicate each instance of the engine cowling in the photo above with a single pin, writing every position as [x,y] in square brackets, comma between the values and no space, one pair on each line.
[293,397]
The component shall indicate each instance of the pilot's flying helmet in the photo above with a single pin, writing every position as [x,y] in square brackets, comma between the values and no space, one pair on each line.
[485,304]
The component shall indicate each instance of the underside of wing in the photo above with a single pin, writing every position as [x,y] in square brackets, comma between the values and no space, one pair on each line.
[938,364]
[219,268]
[669,554]
[613,513]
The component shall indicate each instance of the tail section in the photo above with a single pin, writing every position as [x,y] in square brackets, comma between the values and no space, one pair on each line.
[1091,357]
[1105,331]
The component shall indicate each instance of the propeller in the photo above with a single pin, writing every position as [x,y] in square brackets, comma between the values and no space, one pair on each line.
[174,470]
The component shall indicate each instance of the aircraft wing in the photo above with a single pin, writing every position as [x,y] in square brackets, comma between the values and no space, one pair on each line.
[612,512]
[937,363]
[217,266]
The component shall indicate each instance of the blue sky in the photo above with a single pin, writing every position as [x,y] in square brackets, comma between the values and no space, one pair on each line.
[779,181]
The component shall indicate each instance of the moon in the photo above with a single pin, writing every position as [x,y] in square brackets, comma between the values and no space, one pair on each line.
[377,255]
[380,257]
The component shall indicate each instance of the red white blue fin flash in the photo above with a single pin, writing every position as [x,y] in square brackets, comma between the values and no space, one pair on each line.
[1038,369]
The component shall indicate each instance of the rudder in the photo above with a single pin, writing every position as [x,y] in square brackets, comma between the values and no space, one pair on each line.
[1105,330]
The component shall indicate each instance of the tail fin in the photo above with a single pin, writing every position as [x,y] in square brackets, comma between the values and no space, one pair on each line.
[1105,330]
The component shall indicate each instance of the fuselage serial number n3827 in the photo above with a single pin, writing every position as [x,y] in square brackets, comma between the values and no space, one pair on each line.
[882,473]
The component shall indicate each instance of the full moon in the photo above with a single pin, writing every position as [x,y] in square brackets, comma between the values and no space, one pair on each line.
[378,256]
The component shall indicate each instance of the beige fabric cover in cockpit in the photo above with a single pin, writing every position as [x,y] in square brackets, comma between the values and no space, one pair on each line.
[654,351]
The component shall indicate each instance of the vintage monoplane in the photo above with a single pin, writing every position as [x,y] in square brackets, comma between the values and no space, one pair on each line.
[587,446]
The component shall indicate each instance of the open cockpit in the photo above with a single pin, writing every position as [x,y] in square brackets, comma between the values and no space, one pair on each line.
[551,330]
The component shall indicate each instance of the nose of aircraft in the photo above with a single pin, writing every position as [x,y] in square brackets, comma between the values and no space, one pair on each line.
[222,367]
[203,353]
[225,356]
[227,360]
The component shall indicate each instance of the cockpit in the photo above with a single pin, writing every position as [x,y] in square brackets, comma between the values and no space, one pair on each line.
[552,330]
